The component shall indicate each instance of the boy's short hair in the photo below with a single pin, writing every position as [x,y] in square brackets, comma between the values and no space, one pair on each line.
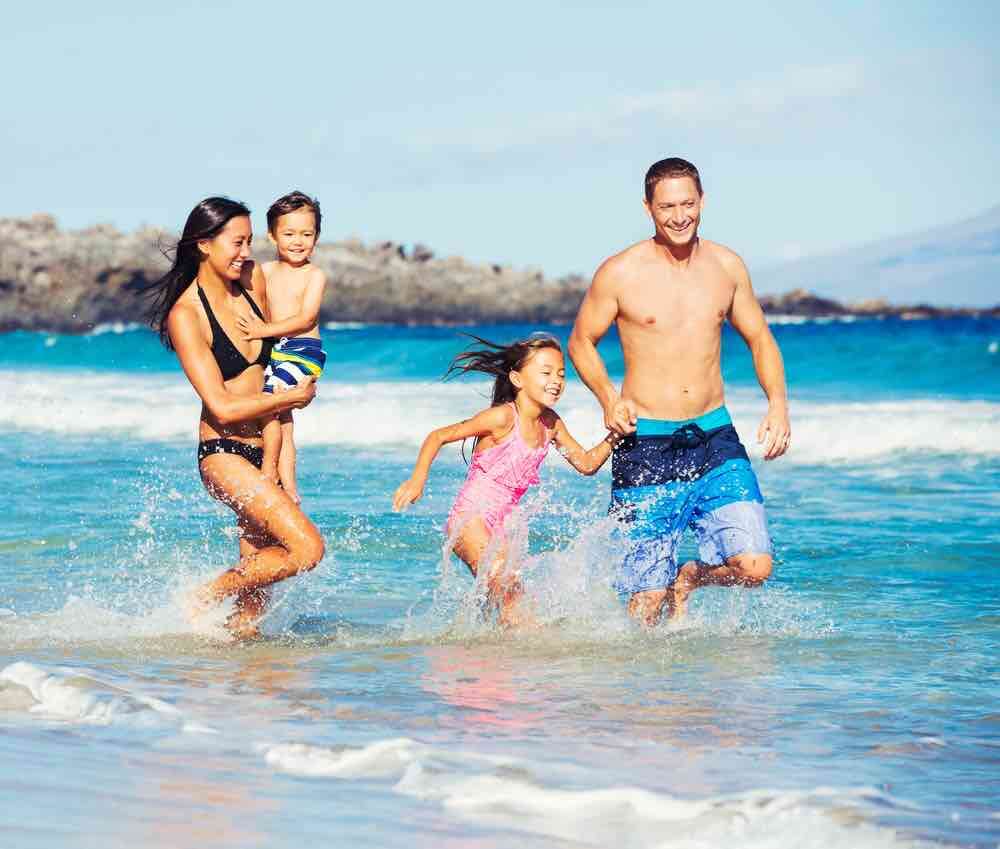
[289,203]
[672,167]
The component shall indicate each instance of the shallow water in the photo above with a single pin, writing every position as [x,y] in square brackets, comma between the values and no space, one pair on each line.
[852,702]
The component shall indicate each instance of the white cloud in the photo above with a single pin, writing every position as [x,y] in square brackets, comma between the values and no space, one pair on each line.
[744,103]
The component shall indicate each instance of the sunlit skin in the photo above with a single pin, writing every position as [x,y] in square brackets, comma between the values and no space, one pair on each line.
[540,383]
[276,539]
[294,295]
[669,296]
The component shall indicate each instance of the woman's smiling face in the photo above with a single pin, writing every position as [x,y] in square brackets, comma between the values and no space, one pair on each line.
[228,250]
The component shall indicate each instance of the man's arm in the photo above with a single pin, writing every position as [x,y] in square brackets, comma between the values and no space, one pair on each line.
[747,318]
[598,310]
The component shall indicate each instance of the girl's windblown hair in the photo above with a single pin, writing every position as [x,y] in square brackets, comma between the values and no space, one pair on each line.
[499,361]
[206,221]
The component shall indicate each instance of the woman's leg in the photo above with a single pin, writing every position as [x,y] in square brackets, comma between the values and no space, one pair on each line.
[249,605]
[503,585]
[290,542]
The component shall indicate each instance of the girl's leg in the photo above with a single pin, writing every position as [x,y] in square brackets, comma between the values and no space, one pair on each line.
[503,585]
[286,459]
[290,543]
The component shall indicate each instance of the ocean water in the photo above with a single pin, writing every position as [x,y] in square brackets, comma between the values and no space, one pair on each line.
[852,702]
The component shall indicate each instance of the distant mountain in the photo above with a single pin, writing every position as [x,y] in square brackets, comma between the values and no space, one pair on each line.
[957,265]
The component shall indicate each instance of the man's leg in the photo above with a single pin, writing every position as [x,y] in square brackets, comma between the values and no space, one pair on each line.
[647,606]
[740,570]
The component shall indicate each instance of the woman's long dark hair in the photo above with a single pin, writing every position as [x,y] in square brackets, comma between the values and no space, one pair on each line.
[206,221]
[499,361]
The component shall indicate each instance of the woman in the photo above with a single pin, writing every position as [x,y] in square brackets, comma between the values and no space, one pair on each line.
[196,308]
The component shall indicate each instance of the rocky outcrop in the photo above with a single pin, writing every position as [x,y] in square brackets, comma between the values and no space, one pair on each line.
[71,281]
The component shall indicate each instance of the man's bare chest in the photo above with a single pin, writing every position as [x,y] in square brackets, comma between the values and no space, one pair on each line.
[693,301]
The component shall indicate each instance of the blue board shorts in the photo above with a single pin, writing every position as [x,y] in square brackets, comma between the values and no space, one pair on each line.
[672,476]
[292,359]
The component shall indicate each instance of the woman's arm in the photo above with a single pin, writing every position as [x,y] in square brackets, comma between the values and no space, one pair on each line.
[202,370]
[586,462]
[305,319]
[495,422]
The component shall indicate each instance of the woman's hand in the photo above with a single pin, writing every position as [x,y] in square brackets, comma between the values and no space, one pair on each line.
[408,492]
[251,327]
[301,395]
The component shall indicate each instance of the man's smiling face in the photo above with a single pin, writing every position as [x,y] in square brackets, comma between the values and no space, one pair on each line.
[676,210]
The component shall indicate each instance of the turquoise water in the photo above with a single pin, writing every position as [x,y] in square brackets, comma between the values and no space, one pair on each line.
[852,702]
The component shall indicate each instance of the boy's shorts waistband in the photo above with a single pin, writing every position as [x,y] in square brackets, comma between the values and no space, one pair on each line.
[719,417]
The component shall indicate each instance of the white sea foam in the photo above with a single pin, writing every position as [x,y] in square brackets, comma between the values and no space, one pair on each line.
[86,620]
[402,413]
[116,327]
[74,695]
[512,794]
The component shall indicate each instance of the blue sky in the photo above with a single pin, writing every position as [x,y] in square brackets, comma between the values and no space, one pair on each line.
[516,132]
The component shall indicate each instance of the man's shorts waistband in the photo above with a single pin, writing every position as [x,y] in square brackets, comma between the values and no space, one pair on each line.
[719,417]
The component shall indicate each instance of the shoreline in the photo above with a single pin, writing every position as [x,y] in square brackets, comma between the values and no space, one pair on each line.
[76,281]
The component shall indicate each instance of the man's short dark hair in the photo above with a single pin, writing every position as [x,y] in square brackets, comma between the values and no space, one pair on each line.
[672,167]
[290,203]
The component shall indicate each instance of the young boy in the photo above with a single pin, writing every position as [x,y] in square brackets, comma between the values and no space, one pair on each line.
[294,291]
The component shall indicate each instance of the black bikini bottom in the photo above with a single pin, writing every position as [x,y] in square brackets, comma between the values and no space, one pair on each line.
[251,453]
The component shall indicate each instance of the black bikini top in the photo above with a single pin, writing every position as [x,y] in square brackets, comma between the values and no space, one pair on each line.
[227,355]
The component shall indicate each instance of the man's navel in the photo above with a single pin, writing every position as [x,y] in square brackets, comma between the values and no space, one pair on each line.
[650,319]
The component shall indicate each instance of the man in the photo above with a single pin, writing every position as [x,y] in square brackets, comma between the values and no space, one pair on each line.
[681,465]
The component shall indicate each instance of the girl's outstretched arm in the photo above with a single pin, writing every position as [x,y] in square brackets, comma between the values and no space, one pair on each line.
[495,422]
[586,462]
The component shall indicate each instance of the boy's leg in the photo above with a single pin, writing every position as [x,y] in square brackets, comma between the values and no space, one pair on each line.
[286,459]
[272,449]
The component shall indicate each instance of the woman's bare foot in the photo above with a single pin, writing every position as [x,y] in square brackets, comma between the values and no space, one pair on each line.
[244,622]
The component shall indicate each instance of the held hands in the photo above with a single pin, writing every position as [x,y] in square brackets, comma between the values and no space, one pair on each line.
[621,417]
[251,327]
[408,492]
[775,432]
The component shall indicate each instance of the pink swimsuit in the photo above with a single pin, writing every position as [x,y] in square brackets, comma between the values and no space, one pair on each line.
[498,478]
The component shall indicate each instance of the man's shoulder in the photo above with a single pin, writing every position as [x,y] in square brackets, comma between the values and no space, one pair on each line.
[731,261]
[618,266]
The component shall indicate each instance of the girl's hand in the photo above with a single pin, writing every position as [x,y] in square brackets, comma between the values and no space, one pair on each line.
[408,492]
[251,328]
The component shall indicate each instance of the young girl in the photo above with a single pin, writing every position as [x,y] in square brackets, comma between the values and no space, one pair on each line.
[512,438]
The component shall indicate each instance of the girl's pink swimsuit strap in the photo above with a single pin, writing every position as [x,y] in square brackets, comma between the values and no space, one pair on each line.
[498,478]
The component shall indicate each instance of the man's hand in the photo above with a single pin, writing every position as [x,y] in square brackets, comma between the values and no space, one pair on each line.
[251,328]
[620,417]
[408,492]
[775,432]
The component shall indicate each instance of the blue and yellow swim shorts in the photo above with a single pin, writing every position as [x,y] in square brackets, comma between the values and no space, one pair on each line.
[672,476]
[292,359]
